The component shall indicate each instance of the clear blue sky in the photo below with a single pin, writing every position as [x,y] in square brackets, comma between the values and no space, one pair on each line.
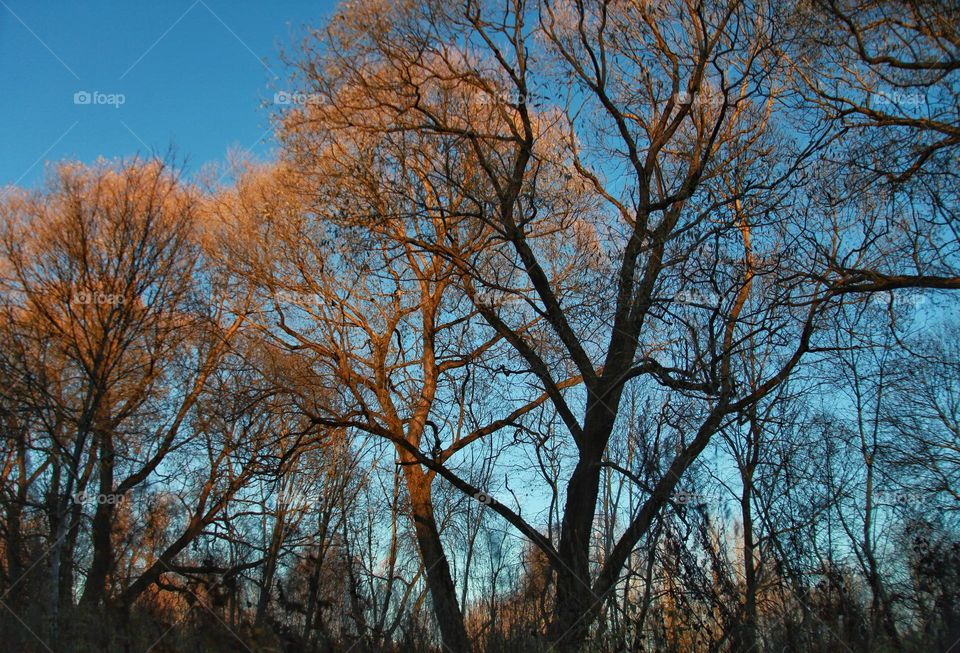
[194,74]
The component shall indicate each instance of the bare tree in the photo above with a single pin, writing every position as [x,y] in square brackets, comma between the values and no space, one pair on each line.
[689,123]
[372,317]
[102,265]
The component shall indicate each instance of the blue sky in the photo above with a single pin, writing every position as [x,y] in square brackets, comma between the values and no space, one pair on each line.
[193,74]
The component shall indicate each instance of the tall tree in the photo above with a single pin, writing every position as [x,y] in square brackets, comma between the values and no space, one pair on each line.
[678,123]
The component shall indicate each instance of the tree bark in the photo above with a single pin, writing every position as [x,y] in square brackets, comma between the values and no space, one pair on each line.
[576,604]
[95,587]
[574,599]
[270,567]
[443,592]
[748,626]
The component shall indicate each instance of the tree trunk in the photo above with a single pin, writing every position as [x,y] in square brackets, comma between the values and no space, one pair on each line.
[748,626]
[574,599]
[439,581]
[270,567]
[95,587]
[64,515]
[576,607]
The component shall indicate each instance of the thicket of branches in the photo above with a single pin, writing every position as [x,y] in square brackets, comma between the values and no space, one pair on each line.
[617,325]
